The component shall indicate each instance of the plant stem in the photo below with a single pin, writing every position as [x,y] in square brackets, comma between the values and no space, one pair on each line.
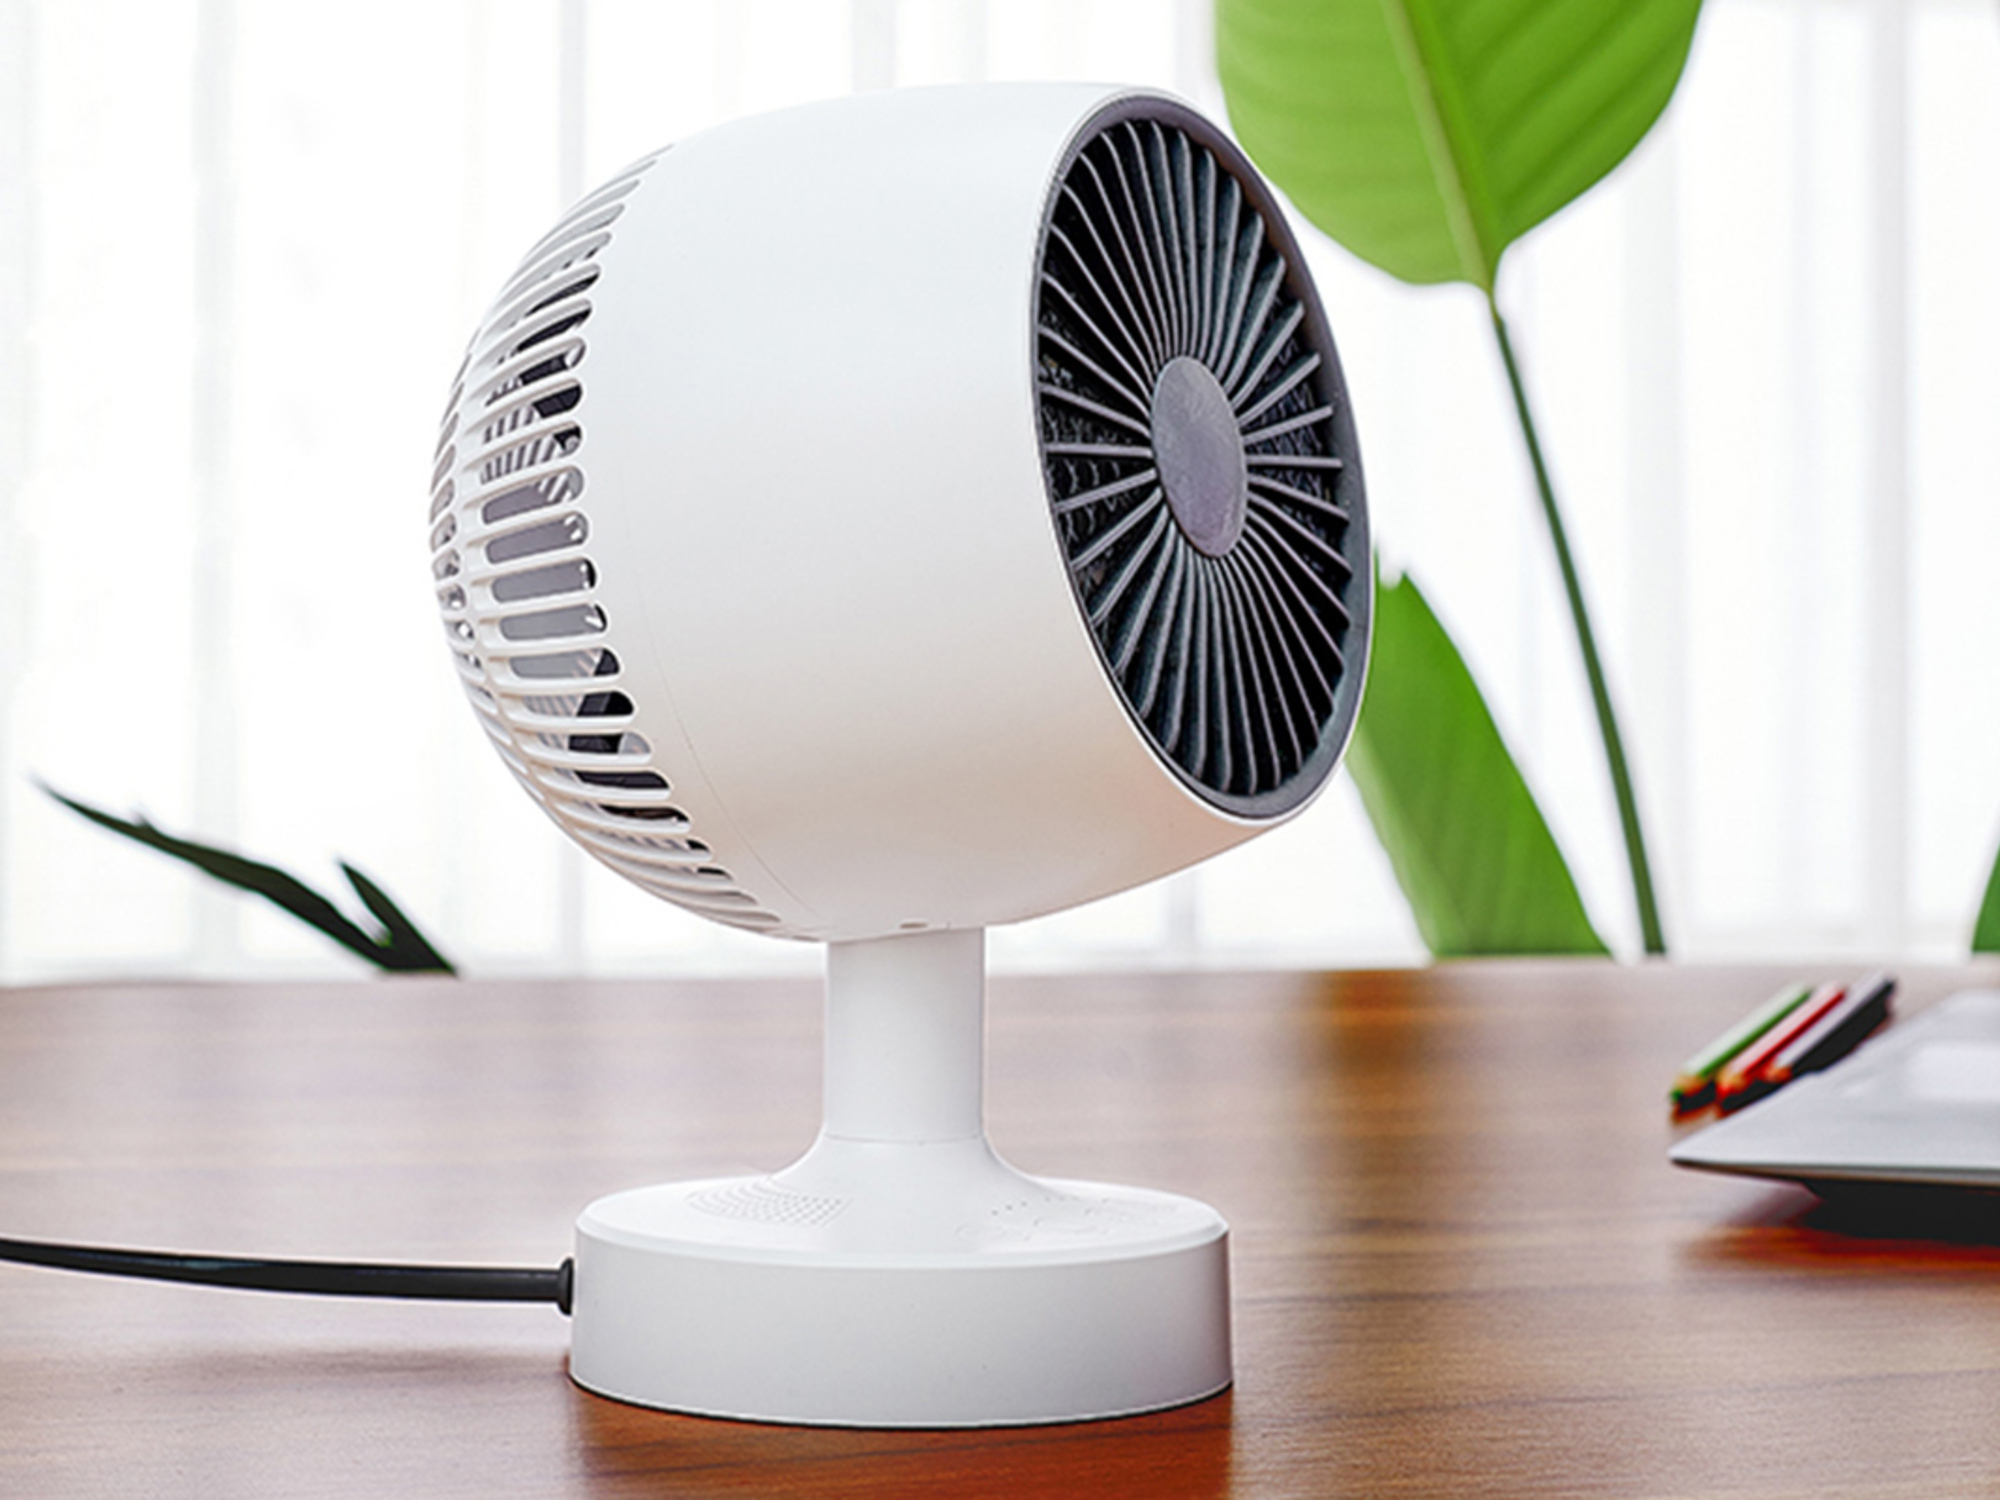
[1600,694]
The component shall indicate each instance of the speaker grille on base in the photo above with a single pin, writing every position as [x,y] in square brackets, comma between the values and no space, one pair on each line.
[762,1201]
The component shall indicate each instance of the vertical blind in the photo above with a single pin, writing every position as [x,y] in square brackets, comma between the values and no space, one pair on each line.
[242,243]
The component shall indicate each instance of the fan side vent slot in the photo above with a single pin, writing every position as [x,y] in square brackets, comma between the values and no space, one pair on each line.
[514,369]
[633,780]
[583,282]
[573,577]
[550,536]
[553,624]
[552,489]
[604,706]
[553,329]
[566,664]
[541,448]
[679,848]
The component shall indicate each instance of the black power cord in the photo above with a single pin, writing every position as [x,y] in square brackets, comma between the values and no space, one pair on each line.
[325,1278]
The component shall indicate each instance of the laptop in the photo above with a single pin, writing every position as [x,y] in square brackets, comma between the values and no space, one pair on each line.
[1918,1106]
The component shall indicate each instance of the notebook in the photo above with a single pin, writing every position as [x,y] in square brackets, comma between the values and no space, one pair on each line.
[1917,1105]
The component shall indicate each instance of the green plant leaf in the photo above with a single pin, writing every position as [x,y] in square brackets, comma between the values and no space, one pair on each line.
[403,949]
[1469,846]
[1986,929]
[1428,135]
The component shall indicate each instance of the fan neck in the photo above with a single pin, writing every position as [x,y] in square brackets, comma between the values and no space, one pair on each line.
[906,1038]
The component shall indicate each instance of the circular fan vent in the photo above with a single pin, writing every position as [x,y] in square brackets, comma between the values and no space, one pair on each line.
[1200,457]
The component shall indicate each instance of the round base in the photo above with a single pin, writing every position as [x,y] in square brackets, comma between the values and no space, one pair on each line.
[901,1286]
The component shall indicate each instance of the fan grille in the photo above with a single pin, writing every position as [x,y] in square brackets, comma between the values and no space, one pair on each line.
[1200,457]
[517,581]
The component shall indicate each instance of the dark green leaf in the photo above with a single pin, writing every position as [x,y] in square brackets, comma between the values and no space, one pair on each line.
[406,949]
[1468,844]
[401,949]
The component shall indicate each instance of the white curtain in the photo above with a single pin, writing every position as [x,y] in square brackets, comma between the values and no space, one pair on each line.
[242,243]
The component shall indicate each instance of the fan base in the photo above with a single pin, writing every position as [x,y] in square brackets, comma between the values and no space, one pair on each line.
[901,1285]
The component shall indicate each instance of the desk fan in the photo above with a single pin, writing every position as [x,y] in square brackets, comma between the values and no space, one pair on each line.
[866,523]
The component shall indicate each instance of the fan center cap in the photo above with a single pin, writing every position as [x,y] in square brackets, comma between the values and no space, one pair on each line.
[1199,452]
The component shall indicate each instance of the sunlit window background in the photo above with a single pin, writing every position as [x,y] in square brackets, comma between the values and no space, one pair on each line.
[242,243]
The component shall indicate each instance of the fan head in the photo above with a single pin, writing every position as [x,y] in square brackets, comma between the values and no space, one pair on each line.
[914,511]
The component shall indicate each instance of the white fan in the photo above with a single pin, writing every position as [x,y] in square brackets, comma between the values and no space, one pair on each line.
[866,523]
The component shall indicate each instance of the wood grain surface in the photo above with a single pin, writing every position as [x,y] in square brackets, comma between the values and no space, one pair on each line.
[1462,1264]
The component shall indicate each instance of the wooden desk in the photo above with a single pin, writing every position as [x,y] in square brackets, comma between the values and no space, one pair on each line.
[1462,1265]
